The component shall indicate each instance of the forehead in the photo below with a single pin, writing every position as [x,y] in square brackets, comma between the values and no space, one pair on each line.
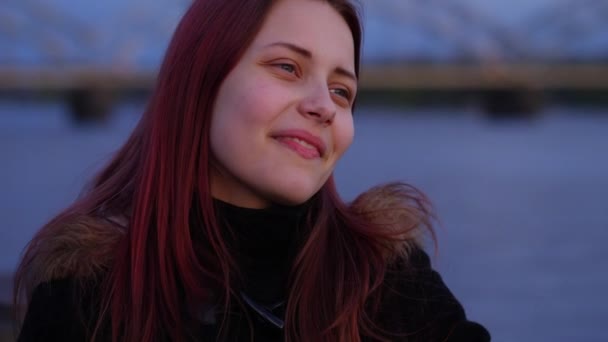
[311,24]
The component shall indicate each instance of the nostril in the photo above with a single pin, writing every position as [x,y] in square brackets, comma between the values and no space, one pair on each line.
[318,106]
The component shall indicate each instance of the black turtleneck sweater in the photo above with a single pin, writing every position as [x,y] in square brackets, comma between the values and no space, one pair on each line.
[415,303]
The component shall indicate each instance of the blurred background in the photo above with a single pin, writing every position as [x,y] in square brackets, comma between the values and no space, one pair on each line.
[497,110]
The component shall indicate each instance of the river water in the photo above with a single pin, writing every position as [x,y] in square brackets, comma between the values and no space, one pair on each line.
[522,204]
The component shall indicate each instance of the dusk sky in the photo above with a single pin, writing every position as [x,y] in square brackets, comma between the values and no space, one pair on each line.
[136,32]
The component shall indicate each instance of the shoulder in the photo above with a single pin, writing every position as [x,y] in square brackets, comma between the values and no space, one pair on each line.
[416,301]
[80,248]
[63,309]
[60,275]
[413,301]
[400,214]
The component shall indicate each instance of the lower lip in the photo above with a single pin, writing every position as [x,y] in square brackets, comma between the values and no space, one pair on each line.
[304,152]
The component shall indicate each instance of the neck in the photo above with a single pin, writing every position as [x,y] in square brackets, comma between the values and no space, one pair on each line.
[264,242]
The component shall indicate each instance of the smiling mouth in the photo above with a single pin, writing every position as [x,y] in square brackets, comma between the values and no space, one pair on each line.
[299,146]
[301,142]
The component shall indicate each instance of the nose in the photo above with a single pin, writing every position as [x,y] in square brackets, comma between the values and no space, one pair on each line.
[318,105]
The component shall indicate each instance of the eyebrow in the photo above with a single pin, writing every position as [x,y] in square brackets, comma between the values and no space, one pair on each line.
[307,54]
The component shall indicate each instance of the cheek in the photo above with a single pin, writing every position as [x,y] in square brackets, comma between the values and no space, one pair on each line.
[345,133]
[244,97]
[244,111]
[234,123]
[256,107]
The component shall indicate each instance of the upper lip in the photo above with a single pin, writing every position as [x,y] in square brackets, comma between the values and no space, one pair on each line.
[306,136]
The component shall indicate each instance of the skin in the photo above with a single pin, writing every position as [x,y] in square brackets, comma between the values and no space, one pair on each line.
[298,74]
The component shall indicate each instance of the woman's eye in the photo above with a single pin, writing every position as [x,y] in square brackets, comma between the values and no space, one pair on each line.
[341,92]
[290,68]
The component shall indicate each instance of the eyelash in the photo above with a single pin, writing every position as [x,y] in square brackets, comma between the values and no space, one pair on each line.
[292,66]
[346,94]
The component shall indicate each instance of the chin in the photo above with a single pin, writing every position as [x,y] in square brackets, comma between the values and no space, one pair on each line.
[294,197]
[291,200]
[291,191]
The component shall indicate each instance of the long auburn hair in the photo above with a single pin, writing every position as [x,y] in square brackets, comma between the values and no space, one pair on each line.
[147,191]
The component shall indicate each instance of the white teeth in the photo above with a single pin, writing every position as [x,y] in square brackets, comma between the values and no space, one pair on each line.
[301,142]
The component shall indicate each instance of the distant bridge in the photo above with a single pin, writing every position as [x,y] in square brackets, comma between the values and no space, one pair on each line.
[406,76]
[88,64]
[90,92]
[541,77]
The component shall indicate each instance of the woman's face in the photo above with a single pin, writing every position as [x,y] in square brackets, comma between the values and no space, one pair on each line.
[283,115]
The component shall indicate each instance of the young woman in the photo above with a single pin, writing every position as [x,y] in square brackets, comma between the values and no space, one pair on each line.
[219,218]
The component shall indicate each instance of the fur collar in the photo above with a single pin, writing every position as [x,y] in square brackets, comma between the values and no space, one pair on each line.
[85,247]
